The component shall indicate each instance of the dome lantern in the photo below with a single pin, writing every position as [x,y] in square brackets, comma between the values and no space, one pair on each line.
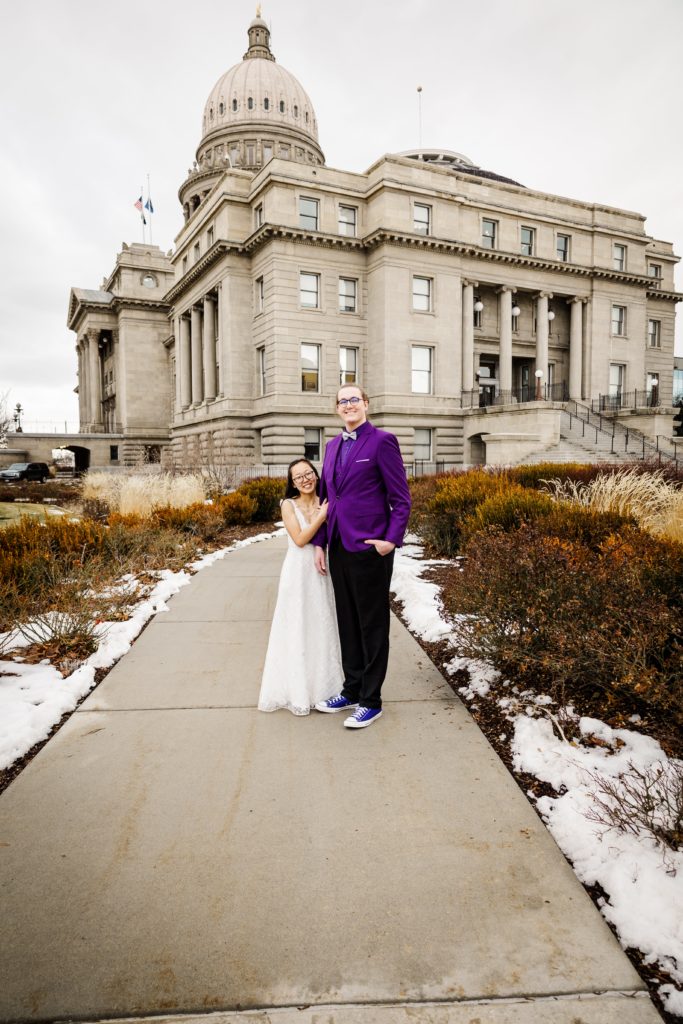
[259,39]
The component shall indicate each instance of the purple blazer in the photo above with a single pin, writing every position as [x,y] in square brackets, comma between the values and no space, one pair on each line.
[372,500]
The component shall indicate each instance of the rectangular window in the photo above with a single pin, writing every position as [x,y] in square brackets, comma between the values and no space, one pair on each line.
[422,219]
[423,445]
[563,248]
[312,444]
[251,153]
[619,321]
[619,256]
[308,214]
[422,294]
[348,287]
[348,365]
[528,241]
[489,233]
[184,264]
[197,252]
[209,238]
[347,220]
[422,370]
[654,271]
[309,290]
[234,155]
[284,152]
[616,379]
[262,369]
[260,294]
[654,333]
[113,453]
[267,152]
[258,215]
[310,367]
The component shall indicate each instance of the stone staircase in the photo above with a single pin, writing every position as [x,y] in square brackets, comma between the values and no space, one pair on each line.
[586,436]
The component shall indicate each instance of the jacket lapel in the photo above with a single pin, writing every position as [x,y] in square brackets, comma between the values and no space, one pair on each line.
[355,452]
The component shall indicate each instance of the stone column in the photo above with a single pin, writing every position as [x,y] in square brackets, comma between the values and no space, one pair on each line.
[81,384]
[196,341]
[575,348]
[95,380]
[505,356]
[209,348]
[184,370]
[468,335]
[542,336]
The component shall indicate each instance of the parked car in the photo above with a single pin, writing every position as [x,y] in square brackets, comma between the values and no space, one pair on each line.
[25,471]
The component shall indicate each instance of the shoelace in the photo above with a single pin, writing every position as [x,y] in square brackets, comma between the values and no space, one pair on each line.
[359,712]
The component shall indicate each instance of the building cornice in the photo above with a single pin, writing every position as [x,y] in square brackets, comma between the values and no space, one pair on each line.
[383,236]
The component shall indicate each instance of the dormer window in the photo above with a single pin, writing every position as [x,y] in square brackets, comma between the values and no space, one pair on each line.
[266,103]
[234,104]
[250,103]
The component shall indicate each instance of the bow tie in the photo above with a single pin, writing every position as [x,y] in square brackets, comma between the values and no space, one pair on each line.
[349,435]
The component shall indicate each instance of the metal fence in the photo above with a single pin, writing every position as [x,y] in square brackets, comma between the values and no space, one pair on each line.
[490,395]
[626,400]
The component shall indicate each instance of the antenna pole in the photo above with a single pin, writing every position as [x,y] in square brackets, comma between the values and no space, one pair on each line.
[419,115]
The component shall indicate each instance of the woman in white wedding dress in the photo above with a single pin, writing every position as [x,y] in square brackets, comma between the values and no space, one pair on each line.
[303,660]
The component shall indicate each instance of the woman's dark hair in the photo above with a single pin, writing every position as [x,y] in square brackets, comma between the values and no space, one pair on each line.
[292,491]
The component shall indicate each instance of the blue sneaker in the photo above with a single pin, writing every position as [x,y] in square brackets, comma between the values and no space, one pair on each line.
[362,717]
[337,703]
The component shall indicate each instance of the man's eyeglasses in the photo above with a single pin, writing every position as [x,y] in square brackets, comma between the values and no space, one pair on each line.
[304,478]
[349,401]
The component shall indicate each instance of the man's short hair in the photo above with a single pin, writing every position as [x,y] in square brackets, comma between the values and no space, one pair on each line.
[357,387]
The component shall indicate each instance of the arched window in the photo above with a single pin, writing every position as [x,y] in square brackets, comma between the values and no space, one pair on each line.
[282,106]
[306,117]
[266,103]
[221,108]
[234,104]
[296,111]
[211,114]
[250,102]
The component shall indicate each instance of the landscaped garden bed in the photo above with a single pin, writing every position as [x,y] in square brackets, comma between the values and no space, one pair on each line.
[555,614]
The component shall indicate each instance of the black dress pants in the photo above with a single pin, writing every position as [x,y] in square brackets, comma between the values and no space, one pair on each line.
[361,593]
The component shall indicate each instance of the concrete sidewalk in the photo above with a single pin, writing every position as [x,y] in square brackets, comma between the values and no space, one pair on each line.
[173,850]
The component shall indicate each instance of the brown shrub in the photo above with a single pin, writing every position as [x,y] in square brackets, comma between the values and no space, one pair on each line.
[267,492]
[456,498]
[560,617]
[236,509]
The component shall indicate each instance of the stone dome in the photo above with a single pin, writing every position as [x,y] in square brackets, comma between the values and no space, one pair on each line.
[259,91]
[456,162]
[256,111]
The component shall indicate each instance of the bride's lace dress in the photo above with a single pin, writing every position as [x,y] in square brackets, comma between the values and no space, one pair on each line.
[303,661]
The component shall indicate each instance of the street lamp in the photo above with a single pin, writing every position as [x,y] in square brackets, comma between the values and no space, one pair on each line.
[18,411]
[539,376]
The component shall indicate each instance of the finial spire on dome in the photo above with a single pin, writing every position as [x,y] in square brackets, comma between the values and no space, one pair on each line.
[259,39]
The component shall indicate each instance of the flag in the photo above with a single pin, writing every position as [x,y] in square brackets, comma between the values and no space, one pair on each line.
[138,206]
[148,205]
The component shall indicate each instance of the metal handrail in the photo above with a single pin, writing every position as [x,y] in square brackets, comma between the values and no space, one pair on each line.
[640,446]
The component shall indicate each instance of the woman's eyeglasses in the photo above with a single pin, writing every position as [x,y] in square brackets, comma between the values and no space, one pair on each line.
[349,401]
[304,478]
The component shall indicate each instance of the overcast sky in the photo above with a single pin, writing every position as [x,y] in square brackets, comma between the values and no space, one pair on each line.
[580,98]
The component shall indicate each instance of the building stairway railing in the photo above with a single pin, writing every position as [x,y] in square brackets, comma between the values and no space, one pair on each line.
[623,441]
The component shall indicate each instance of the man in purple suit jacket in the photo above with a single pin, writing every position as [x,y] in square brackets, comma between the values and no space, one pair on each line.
[364,482]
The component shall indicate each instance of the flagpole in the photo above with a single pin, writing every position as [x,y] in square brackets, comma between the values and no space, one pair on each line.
[149,200]
[142,215]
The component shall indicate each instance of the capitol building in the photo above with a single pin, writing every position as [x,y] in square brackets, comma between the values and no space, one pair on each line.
[470,308]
